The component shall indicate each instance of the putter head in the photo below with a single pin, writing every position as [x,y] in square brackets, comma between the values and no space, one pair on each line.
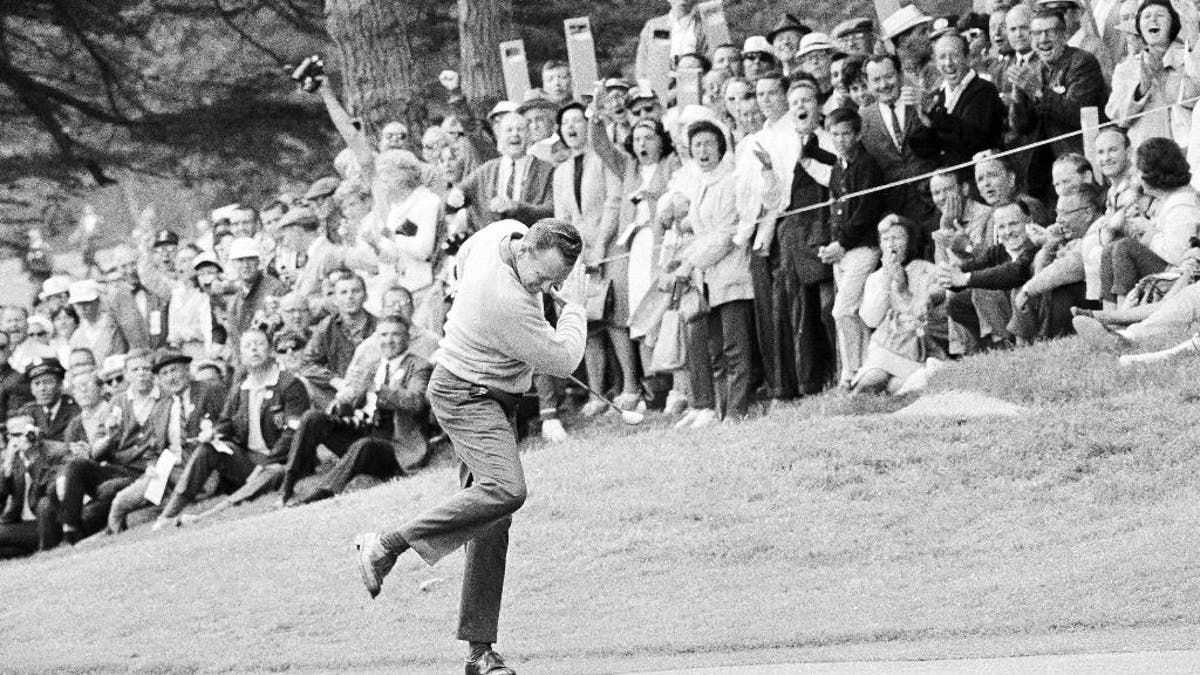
[632,417]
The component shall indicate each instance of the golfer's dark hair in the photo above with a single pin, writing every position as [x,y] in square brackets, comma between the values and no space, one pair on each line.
[557,234]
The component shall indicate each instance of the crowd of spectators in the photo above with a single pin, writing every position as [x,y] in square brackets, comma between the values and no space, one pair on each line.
[842,207]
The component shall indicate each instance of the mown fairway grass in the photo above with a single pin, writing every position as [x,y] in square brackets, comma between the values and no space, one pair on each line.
[825,527]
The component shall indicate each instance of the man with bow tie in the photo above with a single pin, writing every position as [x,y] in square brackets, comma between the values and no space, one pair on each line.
[392,415]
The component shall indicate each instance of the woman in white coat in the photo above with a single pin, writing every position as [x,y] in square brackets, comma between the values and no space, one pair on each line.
[1157,77]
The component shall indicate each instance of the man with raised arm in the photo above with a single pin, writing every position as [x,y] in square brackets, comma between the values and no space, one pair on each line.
[496,337]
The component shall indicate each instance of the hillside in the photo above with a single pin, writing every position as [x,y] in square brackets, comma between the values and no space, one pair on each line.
[827,530]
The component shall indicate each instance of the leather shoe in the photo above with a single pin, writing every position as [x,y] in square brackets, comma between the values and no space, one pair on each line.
[374,561]
[488,663]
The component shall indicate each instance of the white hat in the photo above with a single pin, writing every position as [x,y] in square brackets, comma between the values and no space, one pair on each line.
[503,108]
[55,285]
[41,322]
[83,291]
[906,18]
[757,43]
[243,247]
[113,365]
[814,42]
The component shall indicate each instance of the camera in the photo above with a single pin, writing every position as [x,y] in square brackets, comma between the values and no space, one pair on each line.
[307,72]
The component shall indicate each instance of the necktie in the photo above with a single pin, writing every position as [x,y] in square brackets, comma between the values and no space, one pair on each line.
[899,130]
[175,423]
[579,181]
[384,419]
[510,189]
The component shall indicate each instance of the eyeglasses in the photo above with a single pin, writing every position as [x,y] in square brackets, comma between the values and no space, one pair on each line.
[38,334]
[644,110]
[112,382]
[284,351]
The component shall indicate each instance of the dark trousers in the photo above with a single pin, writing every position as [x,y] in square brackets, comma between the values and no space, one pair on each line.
[1048,315]
[374,456]
[86,477]
[719,358]
[316,429]
[960,308]
[1123,264]
[18,539]
[478,515]
[773,329]
[233,470]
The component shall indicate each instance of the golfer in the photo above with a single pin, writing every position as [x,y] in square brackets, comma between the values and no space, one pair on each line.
[496,337]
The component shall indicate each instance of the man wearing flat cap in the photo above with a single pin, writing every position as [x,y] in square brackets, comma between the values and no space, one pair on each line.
[185,414]
[319,197]
[855,36]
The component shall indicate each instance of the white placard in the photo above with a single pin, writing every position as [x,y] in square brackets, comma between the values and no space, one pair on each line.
[581,52]
[516,69]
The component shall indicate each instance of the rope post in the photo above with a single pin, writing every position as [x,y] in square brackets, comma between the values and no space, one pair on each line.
[1089,122]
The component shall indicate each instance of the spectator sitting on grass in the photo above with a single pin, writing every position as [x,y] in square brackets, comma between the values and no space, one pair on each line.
[1042,308]
[1151,246]
[393,416]
[904,304]
[982,286]
[250,441]
[116,459]
[28,516]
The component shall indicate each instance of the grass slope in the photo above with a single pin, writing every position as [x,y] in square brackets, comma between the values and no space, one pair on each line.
[819,528]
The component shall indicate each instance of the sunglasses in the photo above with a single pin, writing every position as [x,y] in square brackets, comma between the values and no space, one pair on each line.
[757,56]
[120,379]
[39,334]
[644,110]
[287,350]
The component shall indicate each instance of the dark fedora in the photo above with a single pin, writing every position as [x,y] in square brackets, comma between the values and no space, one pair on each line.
[787,22]
[165,357]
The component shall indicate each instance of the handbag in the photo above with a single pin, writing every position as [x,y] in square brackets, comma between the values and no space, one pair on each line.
[693,306]
[599,298]
[670,347]
[646,317]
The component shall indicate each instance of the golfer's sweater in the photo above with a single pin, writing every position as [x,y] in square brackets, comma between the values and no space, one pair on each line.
[496,333]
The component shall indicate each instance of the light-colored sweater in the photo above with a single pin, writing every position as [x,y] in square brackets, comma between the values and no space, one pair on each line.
[496,332]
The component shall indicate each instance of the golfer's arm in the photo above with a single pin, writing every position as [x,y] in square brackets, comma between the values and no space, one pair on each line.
[549,350]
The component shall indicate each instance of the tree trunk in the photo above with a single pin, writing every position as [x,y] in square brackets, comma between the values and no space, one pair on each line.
[482,26]
[376,62]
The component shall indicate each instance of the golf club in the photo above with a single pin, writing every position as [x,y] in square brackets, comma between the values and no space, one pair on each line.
[627,416]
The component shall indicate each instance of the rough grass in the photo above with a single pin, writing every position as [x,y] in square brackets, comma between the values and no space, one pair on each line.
[824,527]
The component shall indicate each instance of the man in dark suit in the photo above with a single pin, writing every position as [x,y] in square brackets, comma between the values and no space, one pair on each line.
[30,462]
[118,459]
[888,128]
[393,416]
[966,114]
[254,430]
[1049,97]
[513,185]
[184,410]
[51,409]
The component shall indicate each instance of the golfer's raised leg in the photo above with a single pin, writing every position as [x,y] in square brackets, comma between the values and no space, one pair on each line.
[496,336]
